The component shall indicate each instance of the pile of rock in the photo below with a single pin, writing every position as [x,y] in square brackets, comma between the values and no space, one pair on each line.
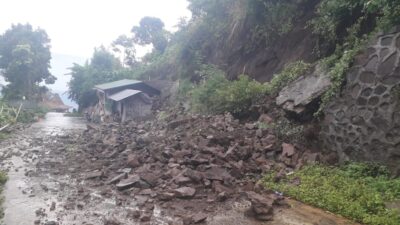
[204,159]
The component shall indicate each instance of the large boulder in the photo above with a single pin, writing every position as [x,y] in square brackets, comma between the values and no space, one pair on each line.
[300,98]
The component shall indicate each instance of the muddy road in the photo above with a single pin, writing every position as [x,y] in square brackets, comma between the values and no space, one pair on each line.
[50,183]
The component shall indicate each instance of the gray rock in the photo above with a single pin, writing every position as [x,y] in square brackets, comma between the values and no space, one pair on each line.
[185,192]
[117,178]
[51,223]
[200,217]
[132,181]
[297,96]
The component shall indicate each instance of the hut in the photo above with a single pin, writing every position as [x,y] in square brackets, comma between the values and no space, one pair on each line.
[123,100]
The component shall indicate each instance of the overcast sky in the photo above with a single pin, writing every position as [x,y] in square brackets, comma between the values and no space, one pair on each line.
[75,27]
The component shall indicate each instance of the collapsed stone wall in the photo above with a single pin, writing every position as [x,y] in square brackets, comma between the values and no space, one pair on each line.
[363,123]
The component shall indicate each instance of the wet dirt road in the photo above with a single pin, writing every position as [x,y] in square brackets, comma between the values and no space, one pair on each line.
[26,192]
[47,186]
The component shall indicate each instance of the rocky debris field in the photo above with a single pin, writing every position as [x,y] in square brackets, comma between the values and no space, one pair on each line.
[187,165]
[183,169]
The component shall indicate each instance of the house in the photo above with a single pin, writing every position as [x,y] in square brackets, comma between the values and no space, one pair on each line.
[123,100]
[53,102]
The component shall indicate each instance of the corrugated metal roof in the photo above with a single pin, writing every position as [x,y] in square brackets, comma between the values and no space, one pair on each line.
[118,83]
[123,94]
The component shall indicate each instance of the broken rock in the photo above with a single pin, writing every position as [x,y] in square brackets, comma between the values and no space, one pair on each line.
[93,175]
[133,161]
[288,150]
[117,178]
[200,217]
[261,207]
[185,192]
[132,181]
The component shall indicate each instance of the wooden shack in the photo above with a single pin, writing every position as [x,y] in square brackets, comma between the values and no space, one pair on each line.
[123,100]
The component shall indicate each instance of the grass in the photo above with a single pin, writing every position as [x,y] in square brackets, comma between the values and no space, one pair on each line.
[73,114]
[3,180]
[289,74]
[3,136]
[356,191]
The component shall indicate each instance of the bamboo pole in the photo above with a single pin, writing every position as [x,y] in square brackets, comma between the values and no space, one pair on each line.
[19,110]
[4,127]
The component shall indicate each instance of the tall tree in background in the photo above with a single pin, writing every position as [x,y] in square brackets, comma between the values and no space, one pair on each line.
[25,61]
[124,46]
[151,31]
[103,67]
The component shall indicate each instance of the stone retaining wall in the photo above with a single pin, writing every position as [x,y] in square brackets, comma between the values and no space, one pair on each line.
[364,122]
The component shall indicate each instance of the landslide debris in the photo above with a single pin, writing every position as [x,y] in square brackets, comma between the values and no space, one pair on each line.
[187,164]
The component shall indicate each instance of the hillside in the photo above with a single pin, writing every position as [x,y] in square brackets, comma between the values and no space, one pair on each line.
[292,96]
[277,112]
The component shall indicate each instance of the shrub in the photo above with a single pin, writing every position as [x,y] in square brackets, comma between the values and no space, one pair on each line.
[216,94]
[3,180]
[290,73]
[287,131]
[348,25]
[31,115]
[8,114]
[357,191]
[333,16]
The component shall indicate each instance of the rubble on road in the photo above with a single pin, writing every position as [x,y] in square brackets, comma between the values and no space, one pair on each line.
[186,164]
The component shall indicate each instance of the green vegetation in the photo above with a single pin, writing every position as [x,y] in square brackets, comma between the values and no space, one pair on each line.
[338,66]
[216,94]
[73,114]
[103,67]
[287,131]
[32,115]
[25,62]
[3,180]
[290,73]
[341,27]
[335,18]
[9,114]
[348,26]
[357,191]
[151,31]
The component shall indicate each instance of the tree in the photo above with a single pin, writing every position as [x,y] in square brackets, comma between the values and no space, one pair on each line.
[151,31]
[25,61]
[103,67]
[125,46]
[104,60]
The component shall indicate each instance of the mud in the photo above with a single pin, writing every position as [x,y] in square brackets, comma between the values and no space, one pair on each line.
[50,183]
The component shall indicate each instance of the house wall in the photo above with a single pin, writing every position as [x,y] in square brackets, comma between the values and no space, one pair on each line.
[99,112]
[135,108]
